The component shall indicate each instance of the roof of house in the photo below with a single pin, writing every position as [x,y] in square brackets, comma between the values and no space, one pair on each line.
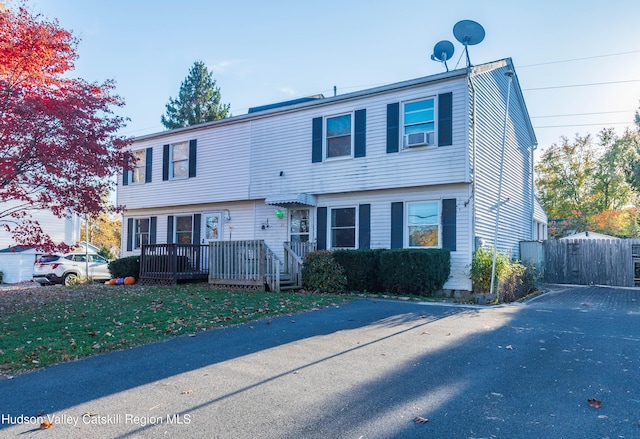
[295,104]
[589,235]
[16,249]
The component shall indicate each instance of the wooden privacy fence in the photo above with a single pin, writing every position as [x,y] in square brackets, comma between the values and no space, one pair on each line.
[592,261]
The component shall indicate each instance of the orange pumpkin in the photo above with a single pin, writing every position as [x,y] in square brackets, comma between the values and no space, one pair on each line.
[112,282]
[129,280]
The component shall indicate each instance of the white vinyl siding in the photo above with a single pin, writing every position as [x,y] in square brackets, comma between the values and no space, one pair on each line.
[516,208]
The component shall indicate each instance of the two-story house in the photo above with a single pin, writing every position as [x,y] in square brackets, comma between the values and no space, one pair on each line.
[416,164]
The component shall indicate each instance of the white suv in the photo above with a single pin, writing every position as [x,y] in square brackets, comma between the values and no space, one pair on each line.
[69,268]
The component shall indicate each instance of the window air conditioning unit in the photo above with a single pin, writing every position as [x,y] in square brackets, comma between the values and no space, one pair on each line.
[418,139]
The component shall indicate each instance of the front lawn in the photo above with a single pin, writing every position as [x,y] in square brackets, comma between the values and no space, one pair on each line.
[46,325]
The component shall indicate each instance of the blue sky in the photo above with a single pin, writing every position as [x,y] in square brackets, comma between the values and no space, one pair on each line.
[263,52]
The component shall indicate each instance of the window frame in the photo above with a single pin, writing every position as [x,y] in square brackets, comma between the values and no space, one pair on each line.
[177,233]
[433,120]
[140,167]
[332,245]
[172,162]
[408,225]
[137,242]
[325,136]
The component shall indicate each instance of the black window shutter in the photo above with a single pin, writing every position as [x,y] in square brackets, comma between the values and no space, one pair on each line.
[192,157]
[364,226]
[153,227]
[148,165]
[170,229]
[449,224]
[130,233]
[125,177]
[165,162]
[316,140]
[360,140]
[397,224]
[393,127]
[321,224]
[197,218]
[445,117]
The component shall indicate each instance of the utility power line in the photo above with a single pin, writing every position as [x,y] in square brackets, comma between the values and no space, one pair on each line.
[578,59]
[581,85]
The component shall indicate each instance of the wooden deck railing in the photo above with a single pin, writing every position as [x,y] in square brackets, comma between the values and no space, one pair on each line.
[294,253]
[170,263]
[244,264]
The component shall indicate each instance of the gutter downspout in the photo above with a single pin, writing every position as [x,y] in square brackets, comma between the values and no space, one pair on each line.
[473,159]
[510,74]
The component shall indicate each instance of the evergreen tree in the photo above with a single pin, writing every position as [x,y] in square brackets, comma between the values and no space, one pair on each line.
[197,102]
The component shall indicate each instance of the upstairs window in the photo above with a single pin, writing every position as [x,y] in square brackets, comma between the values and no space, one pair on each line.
[423,224]
[179,160]
[139,172]
[418,123]
[179,164]
[338,136]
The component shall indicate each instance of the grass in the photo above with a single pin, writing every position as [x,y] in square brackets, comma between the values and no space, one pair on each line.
[47,325]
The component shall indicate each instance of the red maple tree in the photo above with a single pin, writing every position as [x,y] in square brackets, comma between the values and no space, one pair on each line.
[58,135]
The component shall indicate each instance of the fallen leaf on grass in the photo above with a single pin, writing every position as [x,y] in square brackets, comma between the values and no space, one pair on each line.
[595,403]
[45,425]
[420,420]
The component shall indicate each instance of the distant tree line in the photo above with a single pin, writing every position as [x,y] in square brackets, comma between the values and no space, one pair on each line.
[592,184]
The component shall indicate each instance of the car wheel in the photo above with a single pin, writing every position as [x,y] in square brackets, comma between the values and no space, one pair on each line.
[71,279]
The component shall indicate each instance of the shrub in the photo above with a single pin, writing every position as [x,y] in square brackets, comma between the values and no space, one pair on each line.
[321,272]
[107,253]
[518,282]
[481,267]
[124,267]
[421,272]
[361,268]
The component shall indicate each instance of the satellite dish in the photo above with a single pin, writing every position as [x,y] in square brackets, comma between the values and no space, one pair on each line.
[442,52]
[469,33]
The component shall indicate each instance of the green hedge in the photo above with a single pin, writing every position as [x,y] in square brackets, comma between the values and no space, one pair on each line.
[361,267]
[322,273]
[123,267]
[403,271]
[409,271]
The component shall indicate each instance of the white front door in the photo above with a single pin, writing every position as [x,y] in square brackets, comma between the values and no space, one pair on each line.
[211,227]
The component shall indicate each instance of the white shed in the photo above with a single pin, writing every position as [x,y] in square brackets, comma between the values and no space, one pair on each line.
[16,264]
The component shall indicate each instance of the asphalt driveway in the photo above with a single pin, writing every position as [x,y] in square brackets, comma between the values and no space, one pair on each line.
[370,369]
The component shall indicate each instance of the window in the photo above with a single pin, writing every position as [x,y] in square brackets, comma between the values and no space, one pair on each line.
[422,224]
[184,230]
[299,225]
[141,232]
[139,172]
[343,227]
[179,164]
[212,222]
[418,123]
[338,136]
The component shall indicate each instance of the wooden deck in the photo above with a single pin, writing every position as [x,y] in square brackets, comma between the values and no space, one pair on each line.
[168,264]
[240,264]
